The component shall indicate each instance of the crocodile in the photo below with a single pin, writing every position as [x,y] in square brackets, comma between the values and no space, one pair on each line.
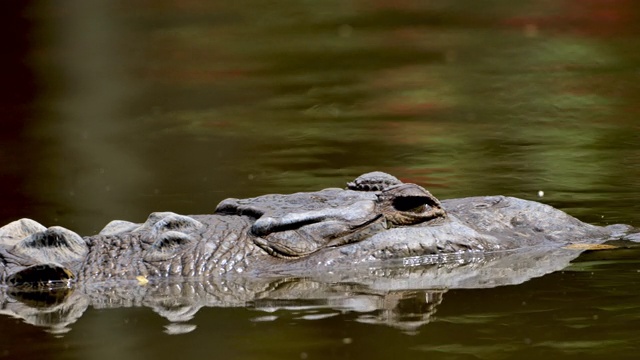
[376,219]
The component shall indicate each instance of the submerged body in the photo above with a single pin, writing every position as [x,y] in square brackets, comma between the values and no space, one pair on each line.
[377,218]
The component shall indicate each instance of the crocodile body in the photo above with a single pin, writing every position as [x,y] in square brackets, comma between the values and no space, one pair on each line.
[376,219]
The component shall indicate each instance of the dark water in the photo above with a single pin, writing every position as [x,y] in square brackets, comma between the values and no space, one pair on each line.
[114,109]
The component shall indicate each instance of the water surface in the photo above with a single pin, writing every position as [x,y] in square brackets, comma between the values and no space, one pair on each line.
[114,109]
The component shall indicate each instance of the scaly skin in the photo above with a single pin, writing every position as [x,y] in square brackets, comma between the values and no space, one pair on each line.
[303,233]
[132,254]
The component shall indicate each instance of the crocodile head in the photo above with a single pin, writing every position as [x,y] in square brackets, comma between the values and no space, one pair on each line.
[38,257]
[292,226]
[296,226]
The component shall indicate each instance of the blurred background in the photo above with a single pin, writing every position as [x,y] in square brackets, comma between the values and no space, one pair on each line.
[114,109]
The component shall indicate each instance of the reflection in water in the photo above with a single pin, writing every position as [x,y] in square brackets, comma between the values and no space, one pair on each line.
[401,297]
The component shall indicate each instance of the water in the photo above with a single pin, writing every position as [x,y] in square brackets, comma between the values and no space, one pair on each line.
[112,110]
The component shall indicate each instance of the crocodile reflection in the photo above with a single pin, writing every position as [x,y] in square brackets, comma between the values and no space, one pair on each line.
[404,296]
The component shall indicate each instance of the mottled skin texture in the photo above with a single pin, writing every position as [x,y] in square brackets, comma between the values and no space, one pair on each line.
[304,233]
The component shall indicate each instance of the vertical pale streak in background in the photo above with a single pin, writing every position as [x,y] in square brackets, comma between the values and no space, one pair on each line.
[86,113]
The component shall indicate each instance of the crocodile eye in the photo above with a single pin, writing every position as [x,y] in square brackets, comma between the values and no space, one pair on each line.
[408,204]
[416,204]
